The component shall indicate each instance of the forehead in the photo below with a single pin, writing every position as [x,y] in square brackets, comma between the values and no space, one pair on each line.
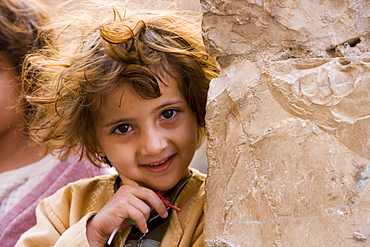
[167,78]
[125,96]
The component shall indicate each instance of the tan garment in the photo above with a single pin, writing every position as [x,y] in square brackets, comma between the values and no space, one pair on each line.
[62,217]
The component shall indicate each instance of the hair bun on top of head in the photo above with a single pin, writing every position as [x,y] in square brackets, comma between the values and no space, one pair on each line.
[120,38]
[121,33]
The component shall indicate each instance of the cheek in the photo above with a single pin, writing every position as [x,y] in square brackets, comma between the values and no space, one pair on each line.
[189,136]
[119,155]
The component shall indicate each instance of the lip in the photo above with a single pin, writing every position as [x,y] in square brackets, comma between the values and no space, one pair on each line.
[167,162]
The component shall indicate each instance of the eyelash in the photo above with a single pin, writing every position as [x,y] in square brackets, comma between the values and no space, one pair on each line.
[128,128]
[116,130]
[173,115]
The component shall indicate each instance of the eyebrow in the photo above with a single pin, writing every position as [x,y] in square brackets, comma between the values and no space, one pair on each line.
[116,121]
[167,104]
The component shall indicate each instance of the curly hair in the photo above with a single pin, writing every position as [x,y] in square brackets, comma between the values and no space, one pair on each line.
[86,68]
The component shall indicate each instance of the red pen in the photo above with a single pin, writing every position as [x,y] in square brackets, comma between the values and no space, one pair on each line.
[167,203]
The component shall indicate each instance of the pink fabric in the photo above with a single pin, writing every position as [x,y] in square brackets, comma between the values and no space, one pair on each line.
[22,216]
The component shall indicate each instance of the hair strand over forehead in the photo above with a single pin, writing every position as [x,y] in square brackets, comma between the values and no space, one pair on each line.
[132,48]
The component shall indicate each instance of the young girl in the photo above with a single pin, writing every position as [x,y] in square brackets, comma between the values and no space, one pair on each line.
[131,91]
[26,174]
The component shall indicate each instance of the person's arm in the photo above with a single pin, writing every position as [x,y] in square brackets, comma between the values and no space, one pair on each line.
[53,224]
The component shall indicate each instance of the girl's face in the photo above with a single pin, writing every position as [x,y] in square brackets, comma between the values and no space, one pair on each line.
[10,118]
[150,141]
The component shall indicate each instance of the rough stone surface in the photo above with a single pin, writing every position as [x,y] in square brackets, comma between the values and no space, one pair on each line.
[288,123]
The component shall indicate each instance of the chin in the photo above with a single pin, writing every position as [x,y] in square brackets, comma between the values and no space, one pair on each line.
[162,187]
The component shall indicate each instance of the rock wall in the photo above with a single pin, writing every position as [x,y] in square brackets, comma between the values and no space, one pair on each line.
[288,123]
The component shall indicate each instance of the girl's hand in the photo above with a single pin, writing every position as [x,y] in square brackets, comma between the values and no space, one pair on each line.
[128,202]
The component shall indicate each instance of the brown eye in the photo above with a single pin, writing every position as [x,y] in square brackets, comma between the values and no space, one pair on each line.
[170,113]
[122,128]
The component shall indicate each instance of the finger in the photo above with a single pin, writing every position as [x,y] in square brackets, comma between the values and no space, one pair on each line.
[144,194]
[133,208]
[152,198]
[133,201]
[126,180]
[139,218]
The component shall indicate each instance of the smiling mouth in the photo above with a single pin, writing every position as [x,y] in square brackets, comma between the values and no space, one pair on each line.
[156,164]
[160,166]
[159,163]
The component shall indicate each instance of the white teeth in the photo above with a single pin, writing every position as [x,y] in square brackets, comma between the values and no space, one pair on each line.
[160,163]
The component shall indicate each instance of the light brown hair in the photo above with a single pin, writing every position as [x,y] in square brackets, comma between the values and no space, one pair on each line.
[86,68]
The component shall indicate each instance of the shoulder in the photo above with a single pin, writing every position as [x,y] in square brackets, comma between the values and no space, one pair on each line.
[195,187]
[78,198]
[191,202]
[85,188]
[96,181]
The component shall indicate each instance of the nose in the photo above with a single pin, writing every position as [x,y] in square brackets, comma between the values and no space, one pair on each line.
[153,141]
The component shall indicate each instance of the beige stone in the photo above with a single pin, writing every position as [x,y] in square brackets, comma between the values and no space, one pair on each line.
[288,123]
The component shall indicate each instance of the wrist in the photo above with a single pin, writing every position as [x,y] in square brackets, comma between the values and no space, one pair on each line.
[95,237]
